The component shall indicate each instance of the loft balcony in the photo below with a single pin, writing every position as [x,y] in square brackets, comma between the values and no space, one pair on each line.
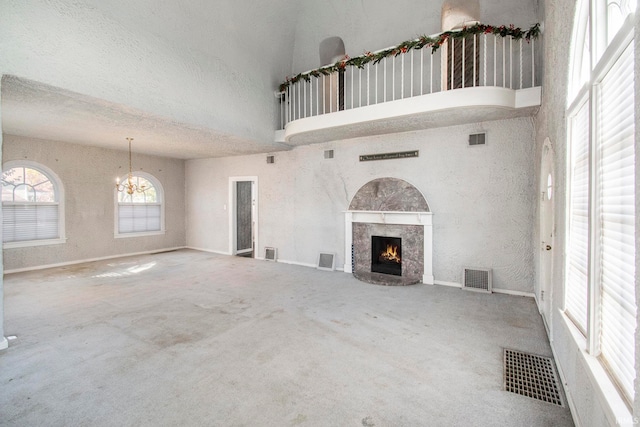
[467,78]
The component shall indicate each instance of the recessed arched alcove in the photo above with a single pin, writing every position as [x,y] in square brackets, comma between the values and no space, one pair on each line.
[389,209]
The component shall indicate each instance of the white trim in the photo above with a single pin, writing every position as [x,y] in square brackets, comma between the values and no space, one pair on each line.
[81,261]
[302,264]
[450,284]
[138,234]
[208,250]
[615,409]
[495,290]
[4,343]
[514,293]
[30,243]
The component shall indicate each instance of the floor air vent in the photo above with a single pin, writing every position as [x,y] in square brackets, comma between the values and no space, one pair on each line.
[326,261]
[270,254]
[532,376]
[477,279]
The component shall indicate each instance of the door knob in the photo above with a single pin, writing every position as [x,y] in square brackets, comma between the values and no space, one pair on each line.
[548,247]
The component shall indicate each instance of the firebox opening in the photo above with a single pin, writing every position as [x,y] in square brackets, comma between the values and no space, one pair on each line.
[386,255]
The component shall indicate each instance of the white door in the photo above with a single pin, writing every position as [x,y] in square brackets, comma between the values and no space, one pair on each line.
[547,230]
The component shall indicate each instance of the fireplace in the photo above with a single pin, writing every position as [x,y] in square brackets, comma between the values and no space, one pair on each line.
[396,214]
[386,255]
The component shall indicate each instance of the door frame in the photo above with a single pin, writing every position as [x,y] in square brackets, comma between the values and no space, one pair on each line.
[546,226]
[232,212]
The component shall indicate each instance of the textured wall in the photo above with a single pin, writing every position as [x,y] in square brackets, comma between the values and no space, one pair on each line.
[482,198]
[88,175]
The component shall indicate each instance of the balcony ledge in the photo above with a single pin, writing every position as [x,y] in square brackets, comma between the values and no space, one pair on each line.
[441,109]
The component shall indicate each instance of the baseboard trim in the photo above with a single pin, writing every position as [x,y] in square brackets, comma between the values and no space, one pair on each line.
[81,261]
[4,343]
[497,291]
[302,264]
[208,250]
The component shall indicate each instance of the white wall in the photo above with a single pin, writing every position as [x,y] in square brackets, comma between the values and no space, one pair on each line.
[88,176]
[483,198]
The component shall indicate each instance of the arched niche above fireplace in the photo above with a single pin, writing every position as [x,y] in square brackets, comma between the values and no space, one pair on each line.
[393,208]
[389,195]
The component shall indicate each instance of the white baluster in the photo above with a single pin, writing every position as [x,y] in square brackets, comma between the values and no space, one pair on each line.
[368,82]
[385,79]
[352,89]
[520,63]
[510,62]
[484,61]
[422,71]
[359,87]
[452,61]
[533,69]
[474,59]
[377,66]
[464,55]
[504,58]
[431,71]
[393,78]
[304,97]
[324,96]
[495,57]
[411,73]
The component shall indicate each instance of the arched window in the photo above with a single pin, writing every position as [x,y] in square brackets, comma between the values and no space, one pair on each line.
[140,213]
[600,253]
[32,205]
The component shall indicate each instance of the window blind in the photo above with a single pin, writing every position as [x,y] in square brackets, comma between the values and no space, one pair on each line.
[577,285]
[138,218]
[616,218]
[24,222]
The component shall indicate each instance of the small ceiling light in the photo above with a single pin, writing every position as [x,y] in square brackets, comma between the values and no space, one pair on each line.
[129,187]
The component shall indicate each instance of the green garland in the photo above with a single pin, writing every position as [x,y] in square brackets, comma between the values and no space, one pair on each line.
[421,42]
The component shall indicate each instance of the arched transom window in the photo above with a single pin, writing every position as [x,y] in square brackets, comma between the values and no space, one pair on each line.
[140,212]
[32,207]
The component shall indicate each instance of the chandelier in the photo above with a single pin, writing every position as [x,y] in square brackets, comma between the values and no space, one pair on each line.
[129,187]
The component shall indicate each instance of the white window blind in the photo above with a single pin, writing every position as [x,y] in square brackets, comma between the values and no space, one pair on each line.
[577,284]
[616,216]
[137,218]
[22,222]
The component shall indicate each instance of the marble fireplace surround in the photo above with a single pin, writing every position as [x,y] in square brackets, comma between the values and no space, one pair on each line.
[394,208]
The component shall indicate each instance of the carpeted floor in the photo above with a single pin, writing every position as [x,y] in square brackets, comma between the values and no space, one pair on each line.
[191,338]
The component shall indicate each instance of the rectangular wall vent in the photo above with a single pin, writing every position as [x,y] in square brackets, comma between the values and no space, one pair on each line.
[270,254]
[477,139]
[477,279]
[271,159]
[328,154]
[326,261]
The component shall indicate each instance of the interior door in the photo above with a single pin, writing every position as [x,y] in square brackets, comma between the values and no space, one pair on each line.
[244,218]
[547,230]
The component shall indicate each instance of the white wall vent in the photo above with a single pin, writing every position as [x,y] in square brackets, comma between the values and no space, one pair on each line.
[326,261]
[477,139]
[476,279]
[270,254]
[328,154]
[271,159]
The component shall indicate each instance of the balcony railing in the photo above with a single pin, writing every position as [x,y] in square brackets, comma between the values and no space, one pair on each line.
[480,59]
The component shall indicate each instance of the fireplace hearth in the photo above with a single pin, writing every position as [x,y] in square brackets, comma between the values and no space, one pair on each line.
[386,255]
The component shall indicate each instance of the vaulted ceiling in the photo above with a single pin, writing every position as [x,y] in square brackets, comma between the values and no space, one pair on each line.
[185,79]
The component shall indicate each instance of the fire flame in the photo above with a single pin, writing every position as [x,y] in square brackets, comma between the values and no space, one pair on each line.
[391,254]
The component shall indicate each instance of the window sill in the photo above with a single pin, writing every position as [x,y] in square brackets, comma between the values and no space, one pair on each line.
[614,405]
[29,243]
[140,234]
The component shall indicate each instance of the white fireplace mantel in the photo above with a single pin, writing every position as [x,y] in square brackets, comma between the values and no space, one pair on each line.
[387,217]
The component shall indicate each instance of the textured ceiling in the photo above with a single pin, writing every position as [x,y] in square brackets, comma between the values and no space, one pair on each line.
[37,110]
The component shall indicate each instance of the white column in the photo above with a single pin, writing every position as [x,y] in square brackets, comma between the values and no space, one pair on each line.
[348,240]
[427,277]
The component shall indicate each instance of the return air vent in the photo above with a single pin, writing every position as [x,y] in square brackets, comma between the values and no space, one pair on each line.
[477,279]
[270,254]
[326,261]
[271,159]
[532,376]
[477,139]
[328,154]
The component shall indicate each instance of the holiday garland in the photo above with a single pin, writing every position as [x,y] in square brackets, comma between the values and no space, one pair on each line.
[421,42]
